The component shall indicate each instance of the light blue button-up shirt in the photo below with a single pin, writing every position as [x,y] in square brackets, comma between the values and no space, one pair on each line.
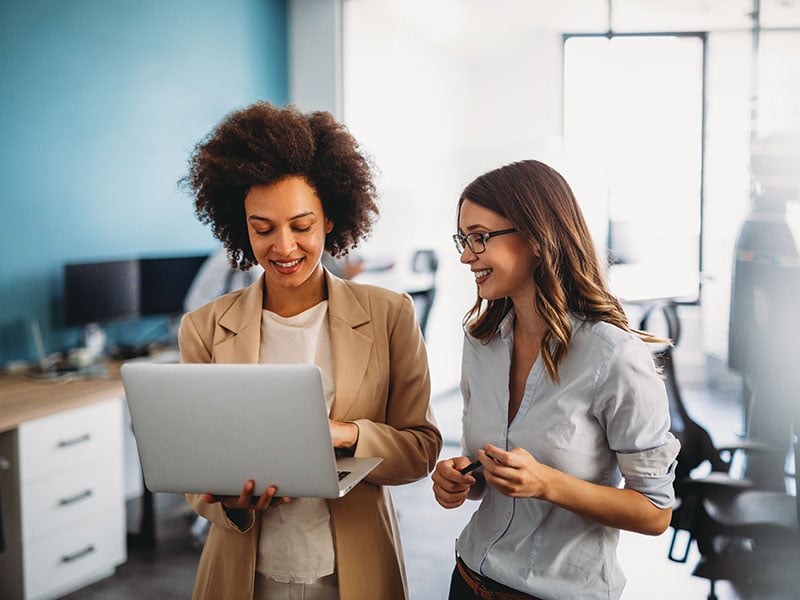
[606,422]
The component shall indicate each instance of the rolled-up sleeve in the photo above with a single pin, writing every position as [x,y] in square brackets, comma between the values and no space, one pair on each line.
[634,410]
[652,472]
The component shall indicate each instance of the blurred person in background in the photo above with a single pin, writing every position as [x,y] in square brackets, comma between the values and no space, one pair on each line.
[764,329]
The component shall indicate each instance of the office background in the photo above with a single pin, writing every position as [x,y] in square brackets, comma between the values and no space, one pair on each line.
[102,102]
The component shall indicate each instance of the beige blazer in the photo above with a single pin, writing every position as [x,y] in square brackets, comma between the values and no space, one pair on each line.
[382,385]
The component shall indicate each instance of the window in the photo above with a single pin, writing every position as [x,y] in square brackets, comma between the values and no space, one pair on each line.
[633,118]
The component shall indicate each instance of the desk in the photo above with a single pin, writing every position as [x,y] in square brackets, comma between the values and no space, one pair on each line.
[63,493]
[24,399]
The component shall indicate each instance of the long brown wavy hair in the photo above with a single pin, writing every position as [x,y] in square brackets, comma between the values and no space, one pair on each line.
[568,277]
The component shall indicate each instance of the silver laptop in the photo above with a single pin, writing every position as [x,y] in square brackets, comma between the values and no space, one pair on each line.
[211,427]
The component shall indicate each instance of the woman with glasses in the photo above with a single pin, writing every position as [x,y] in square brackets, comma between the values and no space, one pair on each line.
[566,425]
[279,188]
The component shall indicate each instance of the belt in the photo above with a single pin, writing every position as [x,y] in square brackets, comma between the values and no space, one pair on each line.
[486,588]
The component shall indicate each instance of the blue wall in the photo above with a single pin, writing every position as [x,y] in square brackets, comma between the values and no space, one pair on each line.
[102,102]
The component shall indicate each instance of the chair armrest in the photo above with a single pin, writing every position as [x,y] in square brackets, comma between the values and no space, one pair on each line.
[751,445]
[717,481]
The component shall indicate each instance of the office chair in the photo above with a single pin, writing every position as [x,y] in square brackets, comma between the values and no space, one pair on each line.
[424,261]
[697,449]
[744,535]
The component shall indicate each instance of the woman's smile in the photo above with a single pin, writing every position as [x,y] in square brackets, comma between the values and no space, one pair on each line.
[287,267]
[482,275]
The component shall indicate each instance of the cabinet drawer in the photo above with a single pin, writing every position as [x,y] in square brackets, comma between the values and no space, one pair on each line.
[69,439]
[56,503]
[73,556]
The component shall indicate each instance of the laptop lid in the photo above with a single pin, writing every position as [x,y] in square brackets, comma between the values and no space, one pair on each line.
[211,427]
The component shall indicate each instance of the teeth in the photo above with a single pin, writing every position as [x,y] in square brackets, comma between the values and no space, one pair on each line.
[286,265]
[484,273]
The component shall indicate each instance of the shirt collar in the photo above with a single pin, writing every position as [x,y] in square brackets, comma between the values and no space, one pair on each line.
[507,324]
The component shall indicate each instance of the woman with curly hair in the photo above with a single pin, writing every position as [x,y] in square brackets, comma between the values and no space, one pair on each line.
[280,187]
[562,402]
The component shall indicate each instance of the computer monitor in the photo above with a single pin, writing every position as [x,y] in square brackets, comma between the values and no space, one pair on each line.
[165,281]
[98,292]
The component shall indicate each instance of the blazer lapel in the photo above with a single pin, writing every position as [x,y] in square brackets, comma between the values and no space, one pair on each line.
[351,344]
[240,327]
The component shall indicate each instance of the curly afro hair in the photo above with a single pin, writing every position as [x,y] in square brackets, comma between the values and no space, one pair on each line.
[262,144]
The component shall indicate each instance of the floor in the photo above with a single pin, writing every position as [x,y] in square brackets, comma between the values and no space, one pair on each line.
[429,532]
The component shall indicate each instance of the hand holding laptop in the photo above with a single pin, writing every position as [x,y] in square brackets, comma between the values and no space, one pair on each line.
[343,435]
[246,499]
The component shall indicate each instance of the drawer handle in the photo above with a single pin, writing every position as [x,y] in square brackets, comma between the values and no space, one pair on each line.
[75,441]
[68,558]
[76,498]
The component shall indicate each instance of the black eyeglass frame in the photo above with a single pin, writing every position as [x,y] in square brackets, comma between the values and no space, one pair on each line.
[463,242]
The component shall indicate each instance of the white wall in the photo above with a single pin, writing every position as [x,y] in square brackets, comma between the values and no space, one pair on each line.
[437,101]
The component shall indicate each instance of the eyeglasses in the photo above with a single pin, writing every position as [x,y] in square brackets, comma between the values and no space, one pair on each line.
[476,242]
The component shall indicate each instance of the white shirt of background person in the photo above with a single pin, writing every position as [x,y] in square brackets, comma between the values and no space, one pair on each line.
[215,278]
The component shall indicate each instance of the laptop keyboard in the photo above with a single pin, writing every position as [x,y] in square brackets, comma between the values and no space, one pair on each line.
[343,474]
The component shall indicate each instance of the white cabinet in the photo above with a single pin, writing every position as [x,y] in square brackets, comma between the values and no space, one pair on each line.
[68,493]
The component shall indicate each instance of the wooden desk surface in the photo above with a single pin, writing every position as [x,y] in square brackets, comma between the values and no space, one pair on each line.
[23,398]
